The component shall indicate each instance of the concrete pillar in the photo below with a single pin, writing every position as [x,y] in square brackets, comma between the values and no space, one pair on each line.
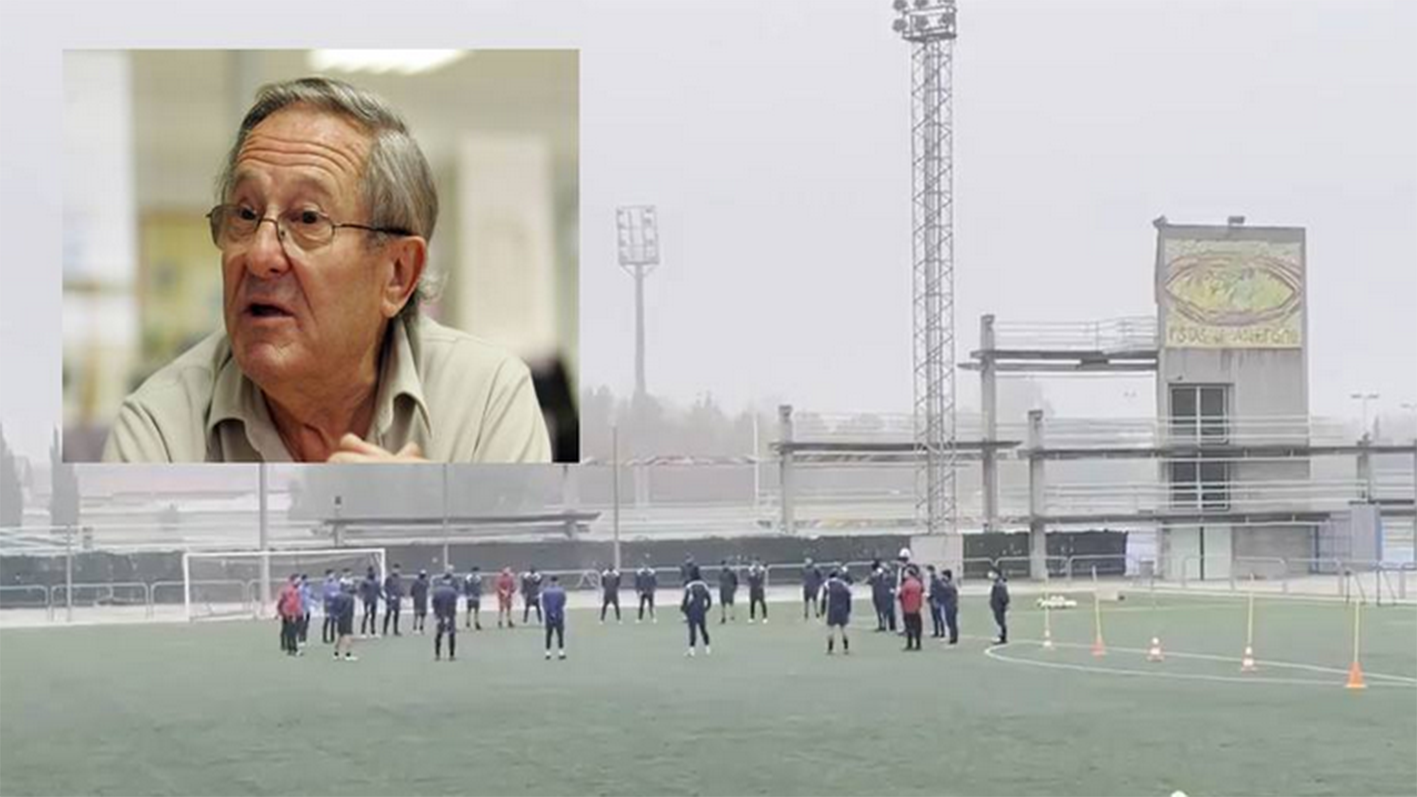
[988,391]
[1365,469]
[784,436]
[1037,533]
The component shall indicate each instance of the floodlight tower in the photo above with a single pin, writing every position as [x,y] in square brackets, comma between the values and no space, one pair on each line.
[637,235]
[929,27]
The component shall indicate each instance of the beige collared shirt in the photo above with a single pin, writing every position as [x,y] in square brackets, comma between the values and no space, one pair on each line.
[458,397]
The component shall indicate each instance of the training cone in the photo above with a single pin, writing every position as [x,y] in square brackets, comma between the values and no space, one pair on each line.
[1098,649]
[1355,677]
[1247,663]
[1047,640]
[1154,652]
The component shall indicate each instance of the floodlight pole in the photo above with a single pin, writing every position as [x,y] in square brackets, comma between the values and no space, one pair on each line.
[929,27]
[637,237]
[263,541]
[615,488]
[69,573]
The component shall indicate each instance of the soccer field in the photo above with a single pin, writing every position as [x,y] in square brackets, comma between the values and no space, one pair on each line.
[216,709]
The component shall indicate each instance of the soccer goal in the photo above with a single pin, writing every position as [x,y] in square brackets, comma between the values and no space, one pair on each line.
[233,584]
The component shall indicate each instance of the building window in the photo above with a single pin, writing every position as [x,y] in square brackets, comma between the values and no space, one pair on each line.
[1198,413]
[1200,484]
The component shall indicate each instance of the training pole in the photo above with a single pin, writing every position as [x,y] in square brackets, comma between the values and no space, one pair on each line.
[1154,653]
[1098,648]
[1247,662]
[1355,672]
[1047,625]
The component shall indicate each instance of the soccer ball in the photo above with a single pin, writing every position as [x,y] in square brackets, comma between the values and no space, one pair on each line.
[1178,793]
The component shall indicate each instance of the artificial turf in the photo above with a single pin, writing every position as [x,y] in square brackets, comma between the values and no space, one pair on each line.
[214,708]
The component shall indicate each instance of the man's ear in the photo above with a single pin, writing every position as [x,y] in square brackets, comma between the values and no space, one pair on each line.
[409,256]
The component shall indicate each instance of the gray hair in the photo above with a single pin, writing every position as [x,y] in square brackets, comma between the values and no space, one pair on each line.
[397,184]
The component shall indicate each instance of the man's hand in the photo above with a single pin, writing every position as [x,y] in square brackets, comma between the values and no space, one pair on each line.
[354,450]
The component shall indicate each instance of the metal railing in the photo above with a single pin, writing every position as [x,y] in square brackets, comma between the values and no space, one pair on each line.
[1127,334]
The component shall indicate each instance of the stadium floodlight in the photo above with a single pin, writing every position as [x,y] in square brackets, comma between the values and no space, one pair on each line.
[637,239]
[227,584]
[927,20]
[1364,398]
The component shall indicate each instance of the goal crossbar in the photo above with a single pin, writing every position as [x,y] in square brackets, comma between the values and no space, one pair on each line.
[242,583]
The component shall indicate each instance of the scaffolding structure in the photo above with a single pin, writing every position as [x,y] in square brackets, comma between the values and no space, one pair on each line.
[929,27]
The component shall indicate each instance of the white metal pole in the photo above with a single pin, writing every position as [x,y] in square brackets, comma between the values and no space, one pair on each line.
[615,488]
[264,543]
[69,574]
[445,517]
[187,585]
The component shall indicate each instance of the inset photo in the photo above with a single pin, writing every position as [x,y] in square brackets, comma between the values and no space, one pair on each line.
[321,256]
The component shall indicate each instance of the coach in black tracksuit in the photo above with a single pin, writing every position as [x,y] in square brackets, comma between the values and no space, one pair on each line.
[999,604]
[393,600]
[610,591]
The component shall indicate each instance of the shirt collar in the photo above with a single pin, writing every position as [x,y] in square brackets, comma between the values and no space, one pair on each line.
[236,398]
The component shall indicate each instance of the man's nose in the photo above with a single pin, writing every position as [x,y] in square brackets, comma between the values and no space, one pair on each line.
[265,255]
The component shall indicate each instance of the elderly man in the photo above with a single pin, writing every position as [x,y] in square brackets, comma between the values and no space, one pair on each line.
[327,207]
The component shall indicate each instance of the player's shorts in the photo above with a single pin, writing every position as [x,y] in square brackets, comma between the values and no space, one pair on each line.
[420,609]
[838,619]
[504,601]
[474,602]
[726,598]
[345,625]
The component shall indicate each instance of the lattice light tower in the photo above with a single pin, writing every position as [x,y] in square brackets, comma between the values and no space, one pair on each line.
[637,242]
[929,27]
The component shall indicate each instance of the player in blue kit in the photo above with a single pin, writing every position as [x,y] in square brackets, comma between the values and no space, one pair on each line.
[472,590]
[445,613]
[553,601]
[695,606]
[838,600]
[418,590]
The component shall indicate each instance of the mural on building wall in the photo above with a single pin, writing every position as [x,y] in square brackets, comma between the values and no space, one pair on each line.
[1233,294]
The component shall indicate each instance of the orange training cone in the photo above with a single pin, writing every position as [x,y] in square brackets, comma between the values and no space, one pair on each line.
[1355,677]
[1098,649]
[1247,663]
[1154,654]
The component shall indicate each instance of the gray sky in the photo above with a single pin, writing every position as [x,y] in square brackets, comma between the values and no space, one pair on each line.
[774,138]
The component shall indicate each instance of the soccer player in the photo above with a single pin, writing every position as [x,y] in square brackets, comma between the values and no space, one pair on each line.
[307,604]
[344,619]
[555,601]
[838,600]
[506,588]
[912,596]
[757,589]
[328,591]
[369,596]
[999,604]
[950,604]
[609,593]
[393,600]
[418,590]
[936,598]
[531,595]
[472,589]
[288,606]
[686,570]
[811,588]
[646,582]
[727,588]
[445,612]
[880,596]
[695,606]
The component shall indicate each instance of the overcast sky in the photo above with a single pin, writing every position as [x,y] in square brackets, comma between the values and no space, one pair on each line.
[774,137]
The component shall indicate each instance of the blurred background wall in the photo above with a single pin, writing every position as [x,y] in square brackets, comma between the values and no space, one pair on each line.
[146,131]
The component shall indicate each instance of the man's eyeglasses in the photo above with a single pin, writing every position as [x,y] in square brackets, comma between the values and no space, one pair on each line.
[307,230]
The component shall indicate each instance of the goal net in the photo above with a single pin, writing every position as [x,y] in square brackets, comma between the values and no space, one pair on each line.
[219,584]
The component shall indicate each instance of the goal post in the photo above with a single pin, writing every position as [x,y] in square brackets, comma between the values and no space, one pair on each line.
[229,584]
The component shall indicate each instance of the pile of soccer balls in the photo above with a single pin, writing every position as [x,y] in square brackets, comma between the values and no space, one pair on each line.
[1056,602]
